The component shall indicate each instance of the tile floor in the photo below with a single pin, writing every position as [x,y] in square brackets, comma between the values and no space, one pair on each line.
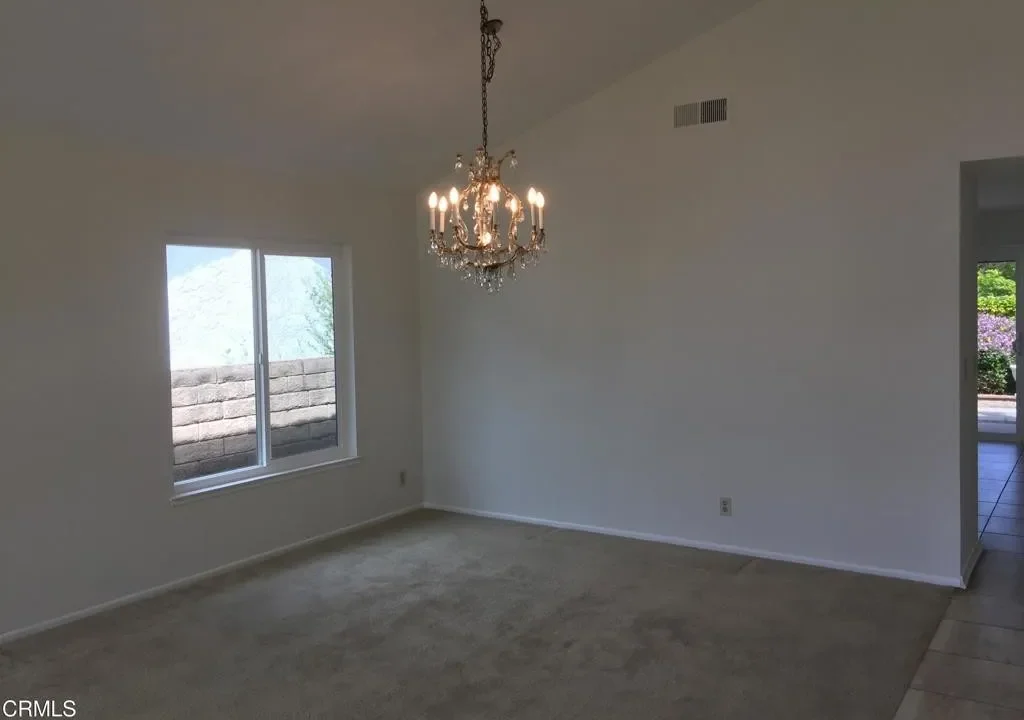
[974,668]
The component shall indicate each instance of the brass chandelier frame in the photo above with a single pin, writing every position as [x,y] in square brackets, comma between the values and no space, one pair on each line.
[485,249]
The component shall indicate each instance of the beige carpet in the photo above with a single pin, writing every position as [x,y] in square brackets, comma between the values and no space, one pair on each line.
[442,617]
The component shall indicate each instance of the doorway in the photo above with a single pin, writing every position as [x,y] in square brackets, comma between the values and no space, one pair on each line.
[999,278]
[992,415]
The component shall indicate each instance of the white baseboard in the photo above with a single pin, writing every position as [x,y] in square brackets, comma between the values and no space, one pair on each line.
[972,562]
[939,580]
[650,537]
[176,584]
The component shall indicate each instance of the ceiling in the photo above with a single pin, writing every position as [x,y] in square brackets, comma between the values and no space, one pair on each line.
[381,87]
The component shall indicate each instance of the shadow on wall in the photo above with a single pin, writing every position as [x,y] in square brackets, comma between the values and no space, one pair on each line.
[213,414]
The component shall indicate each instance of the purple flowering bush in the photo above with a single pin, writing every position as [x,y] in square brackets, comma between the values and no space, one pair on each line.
[996,338]
[996,333]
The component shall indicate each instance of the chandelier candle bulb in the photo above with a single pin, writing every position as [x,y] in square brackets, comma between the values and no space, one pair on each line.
[453,198]
[540,210]
[432,204]
[442,205]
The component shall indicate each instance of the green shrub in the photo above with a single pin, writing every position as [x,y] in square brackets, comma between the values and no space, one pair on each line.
[1001,305]
[992,282]
[993,372]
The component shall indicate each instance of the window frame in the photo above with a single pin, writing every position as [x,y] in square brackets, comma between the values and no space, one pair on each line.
[266,467]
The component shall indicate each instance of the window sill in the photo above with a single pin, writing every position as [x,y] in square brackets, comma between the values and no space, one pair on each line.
[185,494]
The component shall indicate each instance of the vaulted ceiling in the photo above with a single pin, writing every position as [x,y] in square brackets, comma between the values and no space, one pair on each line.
[379,87]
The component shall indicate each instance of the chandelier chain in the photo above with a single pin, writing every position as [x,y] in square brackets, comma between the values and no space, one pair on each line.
[489,45]
[483,69]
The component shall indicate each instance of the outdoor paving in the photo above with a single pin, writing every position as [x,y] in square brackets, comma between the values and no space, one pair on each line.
[1004,412]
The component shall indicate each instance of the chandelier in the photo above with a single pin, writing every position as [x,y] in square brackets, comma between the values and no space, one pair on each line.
[486,249]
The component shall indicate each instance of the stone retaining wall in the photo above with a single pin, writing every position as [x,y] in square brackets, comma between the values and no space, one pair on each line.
[213,414]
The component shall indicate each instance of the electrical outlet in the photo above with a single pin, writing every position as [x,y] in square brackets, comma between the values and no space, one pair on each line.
[725,506]
[401,478]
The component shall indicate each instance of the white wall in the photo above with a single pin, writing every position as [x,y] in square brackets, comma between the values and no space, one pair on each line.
[998,229]
[85,511]
[970,545]
[766,309]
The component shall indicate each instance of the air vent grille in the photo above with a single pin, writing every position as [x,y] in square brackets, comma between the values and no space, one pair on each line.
[701,113]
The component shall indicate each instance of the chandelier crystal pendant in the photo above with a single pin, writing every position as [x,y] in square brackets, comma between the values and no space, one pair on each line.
[486,249]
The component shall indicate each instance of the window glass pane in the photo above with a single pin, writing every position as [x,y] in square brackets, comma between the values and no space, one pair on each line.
[212,342]
[300,345]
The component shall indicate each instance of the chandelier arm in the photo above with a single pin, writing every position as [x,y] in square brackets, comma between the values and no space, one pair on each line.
[495,265]
[513,229]
[456,240]
[489,266]
[516,218]
[457,220]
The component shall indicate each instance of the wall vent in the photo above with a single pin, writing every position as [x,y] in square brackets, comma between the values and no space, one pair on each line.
[701,113]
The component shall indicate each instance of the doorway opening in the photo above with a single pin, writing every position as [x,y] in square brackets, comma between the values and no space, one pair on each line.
[992,387]
[997,353]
